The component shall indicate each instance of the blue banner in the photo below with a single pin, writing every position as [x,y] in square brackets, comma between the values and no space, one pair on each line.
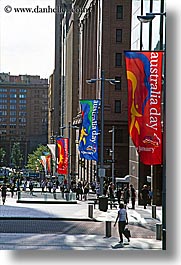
[88,138]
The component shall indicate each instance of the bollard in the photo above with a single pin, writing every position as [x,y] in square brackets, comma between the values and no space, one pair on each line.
[158,231]
[108,228]
[45,197]
[90,211]
[154,211]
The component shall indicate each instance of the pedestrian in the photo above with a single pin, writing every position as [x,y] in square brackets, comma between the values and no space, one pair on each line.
[126,195]
[144,195]
[43,185]
[119,195]
[12,190]
[133,196]
[3,193]
[86,191]
[31,187]
[122,219]
[54,190]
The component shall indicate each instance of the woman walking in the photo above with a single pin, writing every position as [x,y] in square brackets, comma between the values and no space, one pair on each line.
[122,219]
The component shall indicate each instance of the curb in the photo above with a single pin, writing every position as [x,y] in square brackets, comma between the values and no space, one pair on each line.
[46,202]
[49,218]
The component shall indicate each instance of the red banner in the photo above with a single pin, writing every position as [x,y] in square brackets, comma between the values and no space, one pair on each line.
[144,75]
[48,163]
[62,155]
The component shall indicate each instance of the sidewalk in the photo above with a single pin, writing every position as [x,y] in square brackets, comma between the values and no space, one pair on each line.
[12,210]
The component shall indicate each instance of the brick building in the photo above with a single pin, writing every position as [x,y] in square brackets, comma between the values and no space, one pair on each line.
[23,113]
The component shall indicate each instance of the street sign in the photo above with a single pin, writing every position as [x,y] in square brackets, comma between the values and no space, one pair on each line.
[104,166]
[101,172]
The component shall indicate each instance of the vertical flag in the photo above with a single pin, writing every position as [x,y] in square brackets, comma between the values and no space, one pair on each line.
[62,155]
[144,76]
[48,163]
[43,162]
[88,138]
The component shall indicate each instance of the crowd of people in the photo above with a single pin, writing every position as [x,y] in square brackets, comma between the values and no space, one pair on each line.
[125,194]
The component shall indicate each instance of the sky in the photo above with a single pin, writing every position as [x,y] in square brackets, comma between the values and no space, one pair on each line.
[27,39]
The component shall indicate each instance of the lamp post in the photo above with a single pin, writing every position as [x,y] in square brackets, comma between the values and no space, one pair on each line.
[69,149]
[112,153]
[145,19]
[112,82]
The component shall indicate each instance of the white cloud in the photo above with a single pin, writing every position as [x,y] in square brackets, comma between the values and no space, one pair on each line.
[27,39]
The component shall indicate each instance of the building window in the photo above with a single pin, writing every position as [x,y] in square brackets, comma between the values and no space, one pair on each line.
[13,101]
[12,119]
[22,95]
[3,107]
[3,90]
[3,113]
[12,107]
[3,95]
[12,113]
[22,101]
[119,12]
[118,85]
[13,90]
[117,106]
[12,95]
[118,59]
[118,35]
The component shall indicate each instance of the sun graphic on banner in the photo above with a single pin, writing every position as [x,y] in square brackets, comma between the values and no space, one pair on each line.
[61,158]
[134,112]
[82,135]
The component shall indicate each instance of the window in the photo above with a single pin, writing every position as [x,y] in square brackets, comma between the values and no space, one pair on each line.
[22,101]
[119,12]
[117,106]
[22,90]
[118,35]
[3,101]
[12,106]
[118,59]
[3,96]
[12,95]
[3,107]
[13,101]
[22,95]
[3,113]
[13,90]
[12,113]
[118,85]
[12,119]
[22,107]
[3,90]
[22,113]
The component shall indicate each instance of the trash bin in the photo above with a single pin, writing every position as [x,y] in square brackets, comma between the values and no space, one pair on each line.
[103,203]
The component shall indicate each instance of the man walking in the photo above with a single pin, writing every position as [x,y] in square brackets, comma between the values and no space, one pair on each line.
[133,196]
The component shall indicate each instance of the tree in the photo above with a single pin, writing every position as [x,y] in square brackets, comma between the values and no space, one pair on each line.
[16,155]
[34,159]
[2,155]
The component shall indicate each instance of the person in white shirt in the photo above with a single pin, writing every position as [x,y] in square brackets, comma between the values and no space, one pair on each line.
[122,219]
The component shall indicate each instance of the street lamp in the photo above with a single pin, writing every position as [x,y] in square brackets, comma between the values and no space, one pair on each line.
[145,19]
[112,152]
[69,149]
[112,82]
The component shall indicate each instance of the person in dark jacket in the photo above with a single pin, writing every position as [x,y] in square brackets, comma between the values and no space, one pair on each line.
[133,196]
[144,195]
[3,193]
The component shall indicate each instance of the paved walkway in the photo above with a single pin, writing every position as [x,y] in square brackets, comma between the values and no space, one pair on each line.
[78,211]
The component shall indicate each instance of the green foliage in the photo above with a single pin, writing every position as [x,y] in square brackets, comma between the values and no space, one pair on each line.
[34,159]
[16,155]
[2,155]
